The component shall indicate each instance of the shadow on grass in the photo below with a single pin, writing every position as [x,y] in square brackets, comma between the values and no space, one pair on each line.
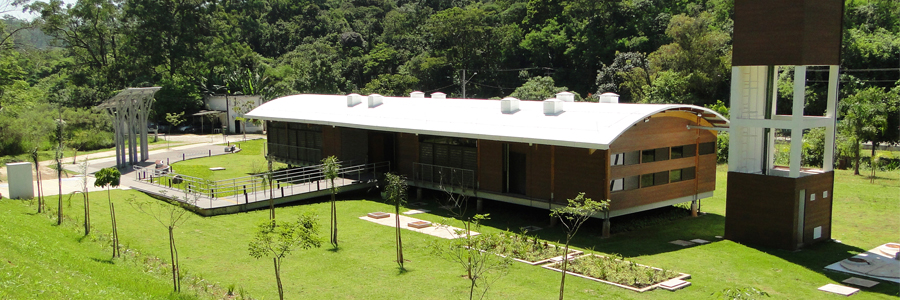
[402,270]
[107,261]
[815,257]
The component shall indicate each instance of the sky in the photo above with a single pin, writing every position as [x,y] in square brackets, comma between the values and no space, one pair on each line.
[17,11]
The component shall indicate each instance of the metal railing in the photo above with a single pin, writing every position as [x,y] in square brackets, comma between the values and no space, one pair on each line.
[441,175]
[256,188]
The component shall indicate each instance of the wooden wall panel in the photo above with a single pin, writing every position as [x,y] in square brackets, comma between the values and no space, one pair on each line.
[539,172]
[761,216]
[659,132]
[818,212]
[407,153]
[653,194]
[706,173]
[647,168]
[331,144]
[787,32]
[580,170]
[490,169]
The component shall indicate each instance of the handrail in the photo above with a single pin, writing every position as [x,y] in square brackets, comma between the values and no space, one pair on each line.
[305,179]
[443,175]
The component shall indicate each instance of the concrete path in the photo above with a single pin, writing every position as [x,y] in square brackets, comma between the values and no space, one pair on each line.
[438,230]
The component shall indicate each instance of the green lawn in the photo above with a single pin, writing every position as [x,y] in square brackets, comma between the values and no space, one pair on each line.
[39,260]
[865,215]
[250,160]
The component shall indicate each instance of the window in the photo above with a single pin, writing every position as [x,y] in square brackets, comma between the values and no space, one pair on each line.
[662,154]
[675,175]
[661,178]
[688,173]
[617,185]
[648,156]
[707,148]
[625,158]
[632,182]
[646,180]
[684,151]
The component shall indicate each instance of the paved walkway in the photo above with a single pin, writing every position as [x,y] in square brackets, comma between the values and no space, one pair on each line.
[438,230]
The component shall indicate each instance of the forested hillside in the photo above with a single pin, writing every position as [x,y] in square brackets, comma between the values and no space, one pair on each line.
[651,51]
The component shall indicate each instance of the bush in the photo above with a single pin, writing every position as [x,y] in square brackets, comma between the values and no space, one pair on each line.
[722,147]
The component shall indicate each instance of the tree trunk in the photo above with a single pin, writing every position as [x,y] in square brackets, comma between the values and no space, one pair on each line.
[271,195]
[37,173]
[278,277]
[172,256]
[334,238]
[399,240]
[872,162]
[856,165]
[59,214]
[87,213]
[562,282]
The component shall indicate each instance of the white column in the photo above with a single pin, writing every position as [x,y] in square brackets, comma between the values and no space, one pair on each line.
[831,112]
[734,147]
[797,120]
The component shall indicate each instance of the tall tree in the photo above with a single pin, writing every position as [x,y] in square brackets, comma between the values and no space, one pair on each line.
[109,177]
[865,117]
[330,171]
[278,239]
[572,216]
[83,167]
[169,216]
[395,193]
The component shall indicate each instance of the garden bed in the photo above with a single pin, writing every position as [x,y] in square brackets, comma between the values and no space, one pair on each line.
[523,248]
[618,272]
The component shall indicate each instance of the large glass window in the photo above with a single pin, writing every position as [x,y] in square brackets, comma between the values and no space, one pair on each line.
[707,148]
[625,158]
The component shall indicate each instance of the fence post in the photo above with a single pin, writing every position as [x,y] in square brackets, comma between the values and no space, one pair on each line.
[282,191]
[245,194]
[182,156]
[210,152]
[167,161]
[151,178]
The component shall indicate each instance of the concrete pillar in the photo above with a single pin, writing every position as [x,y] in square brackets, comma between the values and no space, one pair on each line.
[419,194]
[20,179]
[480,205]
[606,226]
[694,207]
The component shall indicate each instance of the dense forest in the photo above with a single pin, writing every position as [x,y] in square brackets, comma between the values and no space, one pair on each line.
[72,57]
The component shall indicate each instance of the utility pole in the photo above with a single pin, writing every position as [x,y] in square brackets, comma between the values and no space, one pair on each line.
[464,83]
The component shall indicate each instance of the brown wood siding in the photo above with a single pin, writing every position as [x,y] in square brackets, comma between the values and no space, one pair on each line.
[659,132]
[761,216]
[580,170]
[763,210]
[539,172]
[706,173]
[650,195]
[787,32]
[407,153]
[490,171]
[332,141]
[817,212]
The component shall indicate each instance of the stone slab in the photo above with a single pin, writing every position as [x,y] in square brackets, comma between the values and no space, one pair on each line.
[700,241]
[531,228]
[415,211]
[438,230]
[217,169]
[682,243]
[838,289]
[674,284]
[877,265]
[860,282]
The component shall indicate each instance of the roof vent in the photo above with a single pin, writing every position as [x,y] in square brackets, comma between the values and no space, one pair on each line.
[608,98]
[509,105]
[353,100]
[417,94]
[375,100]
[553,107]
[438,95]
[565,97]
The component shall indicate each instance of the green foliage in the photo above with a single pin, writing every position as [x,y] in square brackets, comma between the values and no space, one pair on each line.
[177,95]
[395,192]
[722,144]
[278,239]
[107,177]
[539,88]
[614,268]
[518,245]
[736,293]
[397,85]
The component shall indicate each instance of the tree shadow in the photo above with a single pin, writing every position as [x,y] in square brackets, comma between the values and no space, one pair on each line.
[403,270]
[107,261]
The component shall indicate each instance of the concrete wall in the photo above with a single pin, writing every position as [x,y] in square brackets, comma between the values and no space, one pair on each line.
[227,104]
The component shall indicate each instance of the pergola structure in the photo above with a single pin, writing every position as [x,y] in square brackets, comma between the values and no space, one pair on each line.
[129,109]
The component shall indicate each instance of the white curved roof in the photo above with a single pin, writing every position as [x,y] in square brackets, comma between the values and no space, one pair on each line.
[582,124]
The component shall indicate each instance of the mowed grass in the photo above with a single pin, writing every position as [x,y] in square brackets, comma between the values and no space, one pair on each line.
[250,160]
[39,260]
[865,216]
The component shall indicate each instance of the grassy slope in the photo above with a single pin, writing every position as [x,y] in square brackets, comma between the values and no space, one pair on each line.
[216,247]
[39,260]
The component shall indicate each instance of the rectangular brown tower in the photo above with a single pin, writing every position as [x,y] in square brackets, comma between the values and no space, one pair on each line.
[782,207]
